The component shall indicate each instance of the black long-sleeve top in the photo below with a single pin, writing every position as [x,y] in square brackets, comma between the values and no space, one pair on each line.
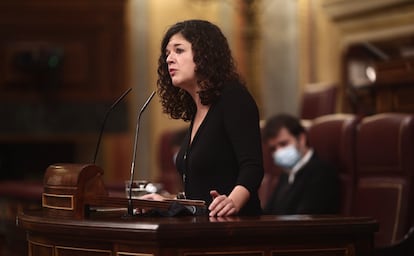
[226,150]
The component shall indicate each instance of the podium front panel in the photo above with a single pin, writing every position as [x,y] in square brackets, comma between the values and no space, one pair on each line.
[199,236]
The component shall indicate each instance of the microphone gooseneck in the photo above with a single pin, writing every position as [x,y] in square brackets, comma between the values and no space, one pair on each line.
[104,121]
[130,205]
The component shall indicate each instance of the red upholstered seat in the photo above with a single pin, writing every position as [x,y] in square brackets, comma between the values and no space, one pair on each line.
[385,171]
[333,138]
[318,102]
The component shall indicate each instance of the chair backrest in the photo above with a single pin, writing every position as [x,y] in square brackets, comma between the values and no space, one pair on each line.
[333,138]
[318,101]
[384,174]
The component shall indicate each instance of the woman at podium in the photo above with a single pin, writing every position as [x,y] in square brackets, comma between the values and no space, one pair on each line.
[220,159]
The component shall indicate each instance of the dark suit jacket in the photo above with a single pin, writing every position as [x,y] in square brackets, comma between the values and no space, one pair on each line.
[315,190]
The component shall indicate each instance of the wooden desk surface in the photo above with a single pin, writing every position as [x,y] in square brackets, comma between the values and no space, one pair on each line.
[265,235]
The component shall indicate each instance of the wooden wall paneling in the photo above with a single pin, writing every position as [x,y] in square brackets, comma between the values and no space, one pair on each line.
[90,35]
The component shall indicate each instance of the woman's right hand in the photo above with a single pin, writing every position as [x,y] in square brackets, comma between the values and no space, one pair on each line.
[152,196]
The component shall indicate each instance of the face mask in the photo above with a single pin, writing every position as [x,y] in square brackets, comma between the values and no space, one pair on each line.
[286,157]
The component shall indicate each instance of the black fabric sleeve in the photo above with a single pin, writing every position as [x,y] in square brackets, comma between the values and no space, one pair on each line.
[241,120]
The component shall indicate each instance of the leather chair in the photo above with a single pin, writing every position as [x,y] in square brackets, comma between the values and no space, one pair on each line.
[318,100]
[385,175]
[333,138]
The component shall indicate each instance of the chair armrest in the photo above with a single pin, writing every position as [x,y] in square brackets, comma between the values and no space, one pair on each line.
[404,247]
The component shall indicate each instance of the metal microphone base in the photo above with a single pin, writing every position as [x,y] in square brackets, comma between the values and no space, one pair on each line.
[130,211]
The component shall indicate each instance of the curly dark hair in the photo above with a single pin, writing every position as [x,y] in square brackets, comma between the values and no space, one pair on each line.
[214,63]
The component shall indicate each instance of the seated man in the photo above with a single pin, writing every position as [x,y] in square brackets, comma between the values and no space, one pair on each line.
[307,185]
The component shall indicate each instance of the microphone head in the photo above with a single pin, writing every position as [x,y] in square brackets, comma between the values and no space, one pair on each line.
[104,121]
[147,101]
[130,206]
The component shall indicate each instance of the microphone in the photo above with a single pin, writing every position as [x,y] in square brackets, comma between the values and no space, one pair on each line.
[130,206]
[104,121]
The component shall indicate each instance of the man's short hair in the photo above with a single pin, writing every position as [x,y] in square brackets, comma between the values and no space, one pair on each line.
[275,123]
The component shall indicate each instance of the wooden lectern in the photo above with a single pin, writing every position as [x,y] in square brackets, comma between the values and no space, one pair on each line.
[69,187]
[67,226]
[72,190]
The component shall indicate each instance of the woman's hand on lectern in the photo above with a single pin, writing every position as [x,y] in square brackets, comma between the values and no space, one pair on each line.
[152,196]
[222,205]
